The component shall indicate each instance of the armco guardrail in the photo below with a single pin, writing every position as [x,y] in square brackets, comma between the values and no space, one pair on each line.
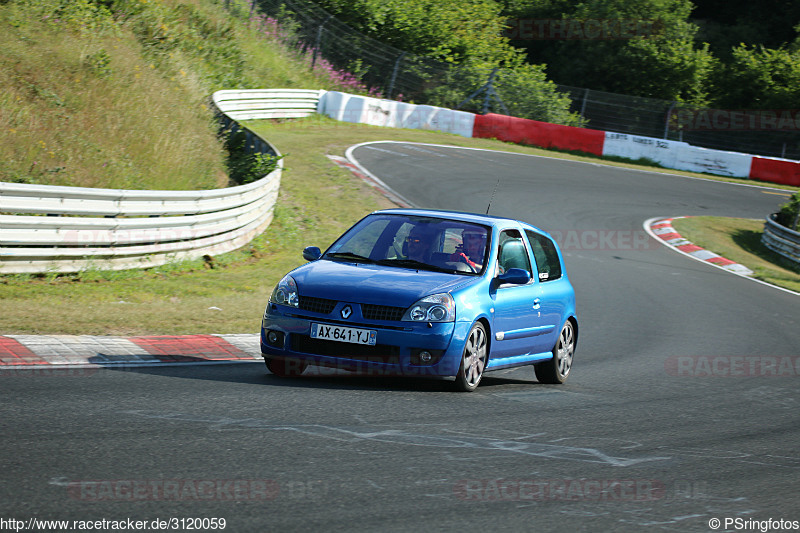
[69,229]
[781,239]
[251,104]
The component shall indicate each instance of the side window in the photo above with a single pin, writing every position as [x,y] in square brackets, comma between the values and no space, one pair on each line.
[396,237]
[450,240]
[546,256]
[512,252]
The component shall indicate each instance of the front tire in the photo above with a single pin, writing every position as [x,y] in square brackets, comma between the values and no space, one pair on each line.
[473,361]
[286,367]
[556,370]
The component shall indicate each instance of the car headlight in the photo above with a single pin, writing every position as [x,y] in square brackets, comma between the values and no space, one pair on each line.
[434,308]
[285,293]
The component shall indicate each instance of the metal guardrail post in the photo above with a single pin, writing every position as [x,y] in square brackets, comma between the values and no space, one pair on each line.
[583,104]
[490,93]
[318,42]
[394,75]
[669,116]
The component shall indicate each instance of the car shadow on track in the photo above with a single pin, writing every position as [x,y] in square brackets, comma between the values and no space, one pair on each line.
[384,383]
[254,373]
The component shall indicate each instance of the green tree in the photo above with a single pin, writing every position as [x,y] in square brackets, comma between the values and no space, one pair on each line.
[760,78]
[523,89]
[642,47]
[455,31]
[527,93]
[469,35]
[725,24]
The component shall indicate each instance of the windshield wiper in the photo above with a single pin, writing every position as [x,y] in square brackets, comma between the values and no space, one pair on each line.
[349,256]
[412,263]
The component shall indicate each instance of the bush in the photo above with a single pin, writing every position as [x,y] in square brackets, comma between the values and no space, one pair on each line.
[790,212]
[245,166]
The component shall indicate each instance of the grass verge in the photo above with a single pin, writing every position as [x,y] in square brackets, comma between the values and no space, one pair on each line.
[739,240]
[227,294]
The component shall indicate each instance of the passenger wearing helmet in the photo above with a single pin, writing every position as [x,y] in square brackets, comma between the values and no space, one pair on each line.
[472,249]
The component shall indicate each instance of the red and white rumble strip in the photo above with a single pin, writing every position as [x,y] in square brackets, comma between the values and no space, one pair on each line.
[44,350]
[371,180]
[662,229]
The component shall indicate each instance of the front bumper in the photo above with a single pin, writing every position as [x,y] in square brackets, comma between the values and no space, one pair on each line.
[285,334]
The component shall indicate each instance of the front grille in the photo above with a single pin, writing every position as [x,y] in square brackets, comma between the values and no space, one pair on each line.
[317,305]
[382,312]
[361,352]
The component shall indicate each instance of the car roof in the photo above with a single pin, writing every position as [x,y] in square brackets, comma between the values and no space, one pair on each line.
[461,216]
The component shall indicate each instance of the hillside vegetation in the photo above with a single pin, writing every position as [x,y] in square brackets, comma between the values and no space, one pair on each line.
[116,93]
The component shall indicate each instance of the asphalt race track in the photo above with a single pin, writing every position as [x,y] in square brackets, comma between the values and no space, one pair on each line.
[683,406]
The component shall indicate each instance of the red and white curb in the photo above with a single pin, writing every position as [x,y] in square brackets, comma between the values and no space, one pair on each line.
[662,229]
[370,179]
[46,350]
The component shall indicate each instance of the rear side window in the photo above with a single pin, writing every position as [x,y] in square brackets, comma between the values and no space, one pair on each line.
[546,255]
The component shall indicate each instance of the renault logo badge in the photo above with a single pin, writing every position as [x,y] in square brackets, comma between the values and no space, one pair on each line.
[347,311]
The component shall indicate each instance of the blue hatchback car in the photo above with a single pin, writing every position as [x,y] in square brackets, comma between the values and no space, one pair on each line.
[426,293]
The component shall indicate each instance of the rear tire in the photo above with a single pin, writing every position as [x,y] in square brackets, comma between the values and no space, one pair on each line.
[286,367]
[556,370]
[473,361]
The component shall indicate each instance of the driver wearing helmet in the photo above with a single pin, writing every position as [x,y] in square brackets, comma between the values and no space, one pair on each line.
[472,249]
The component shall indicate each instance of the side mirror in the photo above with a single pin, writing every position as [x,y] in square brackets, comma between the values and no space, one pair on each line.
[312,253]
[517,276]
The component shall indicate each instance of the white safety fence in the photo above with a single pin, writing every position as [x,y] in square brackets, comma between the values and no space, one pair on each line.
[678,155]
[70,229]
[389,113]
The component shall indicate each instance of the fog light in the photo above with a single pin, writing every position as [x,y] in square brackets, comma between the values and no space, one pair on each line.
[275,338]
[425,356]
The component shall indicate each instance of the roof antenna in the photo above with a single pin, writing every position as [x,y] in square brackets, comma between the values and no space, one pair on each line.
[494,191]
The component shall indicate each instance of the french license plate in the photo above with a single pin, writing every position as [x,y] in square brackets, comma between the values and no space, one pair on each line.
[343,334]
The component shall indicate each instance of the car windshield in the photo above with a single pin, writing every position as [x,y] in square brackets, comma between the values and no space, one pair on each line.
[421,243]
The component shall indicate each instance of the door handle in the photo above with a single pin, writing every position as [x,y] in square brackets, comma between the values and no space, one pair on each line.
[537,303]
